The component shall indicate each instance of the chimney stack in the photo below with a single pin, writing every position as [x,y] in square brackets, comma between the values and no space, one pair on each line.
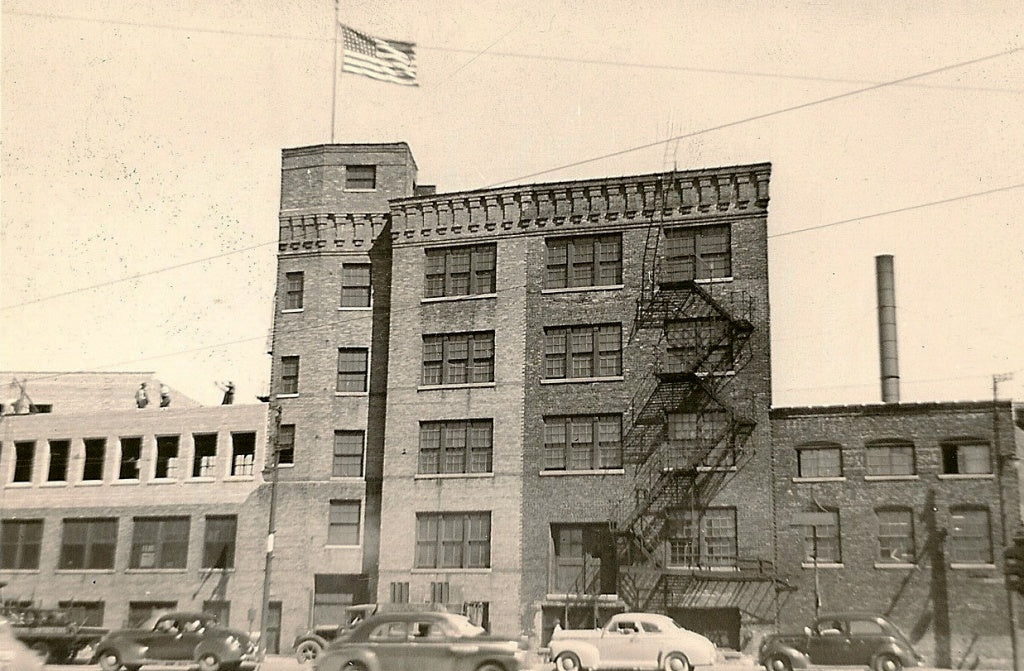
[887,328]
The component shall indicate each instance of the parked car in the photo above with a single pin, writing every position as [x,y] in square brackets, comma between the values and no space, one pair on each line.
[52,633]
[413,641]
[177,638]
[841,639]
[310,644]
[633,641]
[15,655]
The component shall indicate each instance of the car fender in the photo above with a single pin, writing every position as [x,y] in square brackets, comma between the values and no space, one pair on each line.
[217,647]
[901,653]
[316,638]
[587,652]
[365,657]
[128,650]
[797,658]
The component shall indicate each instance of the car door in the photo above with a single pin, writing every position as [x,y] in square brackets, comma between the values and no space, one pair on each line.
[387,642]
[619,643]
[170,640]
[431,647]
[866,637]
[828,644]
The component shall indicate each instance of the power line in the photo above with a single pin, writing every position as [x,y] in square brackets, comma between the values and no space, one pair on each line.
[510,54]
[758,117]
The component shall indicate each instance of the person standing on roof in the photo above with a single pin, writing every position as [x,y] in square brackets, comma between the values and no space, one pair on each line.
[165,395]
[141,396]
[229,392]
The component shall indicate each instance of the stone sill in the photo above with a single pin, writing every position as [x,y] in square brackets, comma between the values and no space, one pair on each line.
[593,471]
[841,478]
[448,299]
[577,380]
[569,290]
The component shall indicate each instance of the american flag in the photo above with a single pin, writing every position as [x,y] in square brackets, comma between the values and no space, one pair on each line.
[387,60]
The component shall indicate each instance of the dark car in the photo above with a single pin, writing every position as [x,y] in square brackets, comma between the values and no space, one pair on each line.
[310,644]
[177,638]
[416,641]
[841,639]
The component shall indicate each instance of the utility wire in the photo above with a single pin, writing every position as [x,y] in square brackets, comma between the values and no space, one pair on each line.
[510,54]
[758,117]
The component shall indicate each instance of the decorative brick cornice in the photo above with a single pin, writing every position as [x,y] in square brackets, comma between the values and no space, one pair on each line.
[326,231]
[675,196]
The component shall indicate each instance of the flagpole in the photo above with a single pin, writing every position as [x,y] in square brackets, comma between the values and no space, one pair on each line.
[334,70]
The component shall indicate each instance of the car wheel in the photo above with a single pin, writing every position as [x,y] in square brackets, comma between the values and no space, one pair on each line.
[490,666]
[209,662]
[307,651]
[778,663]
[887,663]
[42,648]
[109,660]
[567,661]
[675,661]
[352,665]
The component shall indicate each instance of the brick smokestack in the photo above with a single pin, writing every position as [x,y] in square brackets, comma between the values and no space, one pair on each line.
[886,283]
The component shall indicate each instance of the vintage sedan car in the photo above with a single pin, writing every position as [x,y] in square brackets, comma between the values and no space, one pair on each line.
[177,638]
[841,639]
[632,641]
[308,645]
[415,641]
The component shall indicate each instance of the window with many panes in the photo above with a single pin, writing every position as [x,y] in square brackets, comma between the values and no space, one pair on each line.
[697,253]
[580,550]
[586,261]
[219,541]
[159,542]
[822,541]
[360,177]
[895,535]
[700,344]
[24,455]
[458,358]
[286,444]
[460,271]
[456,446]
[88,543]
[582,442]
[704,537]
[355,285]
[204,455]
[348,454]
[59,451]
[95,455]
[966,457]
[890,457]
[131,454]
[294,286]
[20,543]
[582,351]
[352,369]
[84,613]
[453,540]
[243,453]
[343,523]
[970,536]
[289,375]
[822,460]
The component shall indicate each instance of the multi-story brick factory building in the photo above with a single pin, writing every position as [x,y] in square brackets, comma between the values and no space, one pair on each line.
[116,511]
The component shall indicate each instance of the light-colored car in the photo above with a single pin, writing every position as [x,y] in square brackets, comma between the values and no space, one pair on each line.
[632,641]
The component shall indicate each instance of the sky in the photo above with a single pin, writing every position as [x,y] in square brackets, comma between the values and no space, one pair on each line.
[141,155]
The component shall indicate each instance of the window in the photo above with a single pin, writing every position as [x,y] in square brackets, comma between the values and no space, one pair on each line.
[458,358]
[971,538]
[702,537]
[440,592]
[399,592]
[355,285]
[582,351]
[966,457]
[348,454]
[456,446]
[822,541]
[582,443]
[243,453]
[20,542]
[59,450]
[219,541]
[895,535]
[702,436]
[289,375]
[166,457]
[84,613]
[286,444]
[343,526]
[697,253]
[360,177]
[95,455]
[293,290]
[220,610]
[139,612]
[890,457]
[131,453]
[698,344]
[351,369]
[160,542]
[460,271]
[580,552]
[88,544]
[332,592]
[819,461]
[453,540]
[584,261]
[204,455]
[24,455]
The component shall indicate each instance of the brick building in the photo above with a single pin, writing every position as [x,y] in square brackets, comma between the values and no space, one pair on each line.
[117,511]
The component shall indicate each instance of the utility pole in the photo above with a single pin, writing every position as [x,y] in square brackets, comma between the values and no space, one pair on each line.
[1001,460]
[275,429]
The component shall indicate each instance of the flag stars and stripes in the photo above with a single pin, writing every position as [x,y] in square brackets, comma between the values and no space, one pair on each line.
[386,60]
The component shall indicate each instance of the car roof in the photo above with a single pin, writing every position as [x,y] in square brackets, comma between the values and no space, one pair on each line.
[852,615]
[186,615]
[411,616]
